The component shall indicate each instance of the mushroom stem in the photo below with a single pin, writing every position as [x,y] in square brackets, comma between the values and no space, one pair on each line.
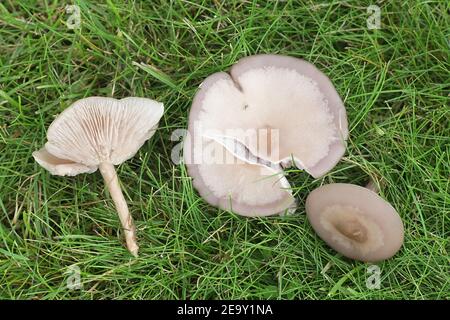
[112,182]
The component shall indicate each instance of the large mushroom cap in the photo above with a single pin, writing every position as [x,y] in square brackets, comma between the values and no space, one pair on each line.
[290,102]
[95,130]
[355,221]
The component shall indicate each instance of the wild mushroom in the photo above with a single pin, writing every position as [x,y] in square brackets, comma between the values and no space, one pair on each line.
[99,133]
[355,221]
[283,101]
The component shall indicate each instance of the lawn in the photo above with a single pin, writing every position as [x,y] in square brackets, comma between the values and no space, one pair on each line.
[395,84]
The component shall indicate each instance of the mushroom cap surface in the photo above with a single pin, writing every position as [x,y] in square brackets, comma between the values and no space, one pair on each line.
[355,221]
[95,130]
[276,93]
[238,186]
[316,81]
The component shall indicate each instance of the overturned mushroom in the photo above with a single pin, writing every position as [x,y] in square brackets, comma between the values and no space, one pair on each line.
[99,133]
[355,221]
[282,111]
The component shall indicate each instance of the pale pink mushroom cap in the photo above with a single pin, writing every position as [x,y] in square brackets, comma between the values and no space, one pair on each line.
[274,92]
[95,130]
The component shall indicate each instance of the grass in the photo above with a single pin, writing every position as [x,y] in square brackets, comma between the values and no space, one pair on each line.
[394,81]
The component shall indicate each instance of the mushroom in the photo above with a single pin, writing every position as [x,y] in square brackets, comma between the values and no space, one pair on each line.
[100,133]
[284,102]
[355,221]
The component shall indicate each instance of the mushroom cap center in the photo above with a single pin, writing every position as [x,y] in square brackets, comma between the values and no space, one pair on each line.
[352,229]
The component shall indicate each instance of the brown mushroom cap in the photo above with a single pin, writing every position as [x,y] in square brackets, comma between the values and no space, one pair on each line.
[355,221]
[266,92]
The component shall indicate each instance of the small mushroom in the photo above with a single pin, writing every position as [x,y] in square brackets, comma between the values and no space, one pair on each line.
[270,94]
[99,133]
[355,221]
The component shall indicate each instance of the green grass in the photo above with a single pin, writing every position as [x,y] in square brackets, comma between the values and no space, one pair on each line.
[395,83]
